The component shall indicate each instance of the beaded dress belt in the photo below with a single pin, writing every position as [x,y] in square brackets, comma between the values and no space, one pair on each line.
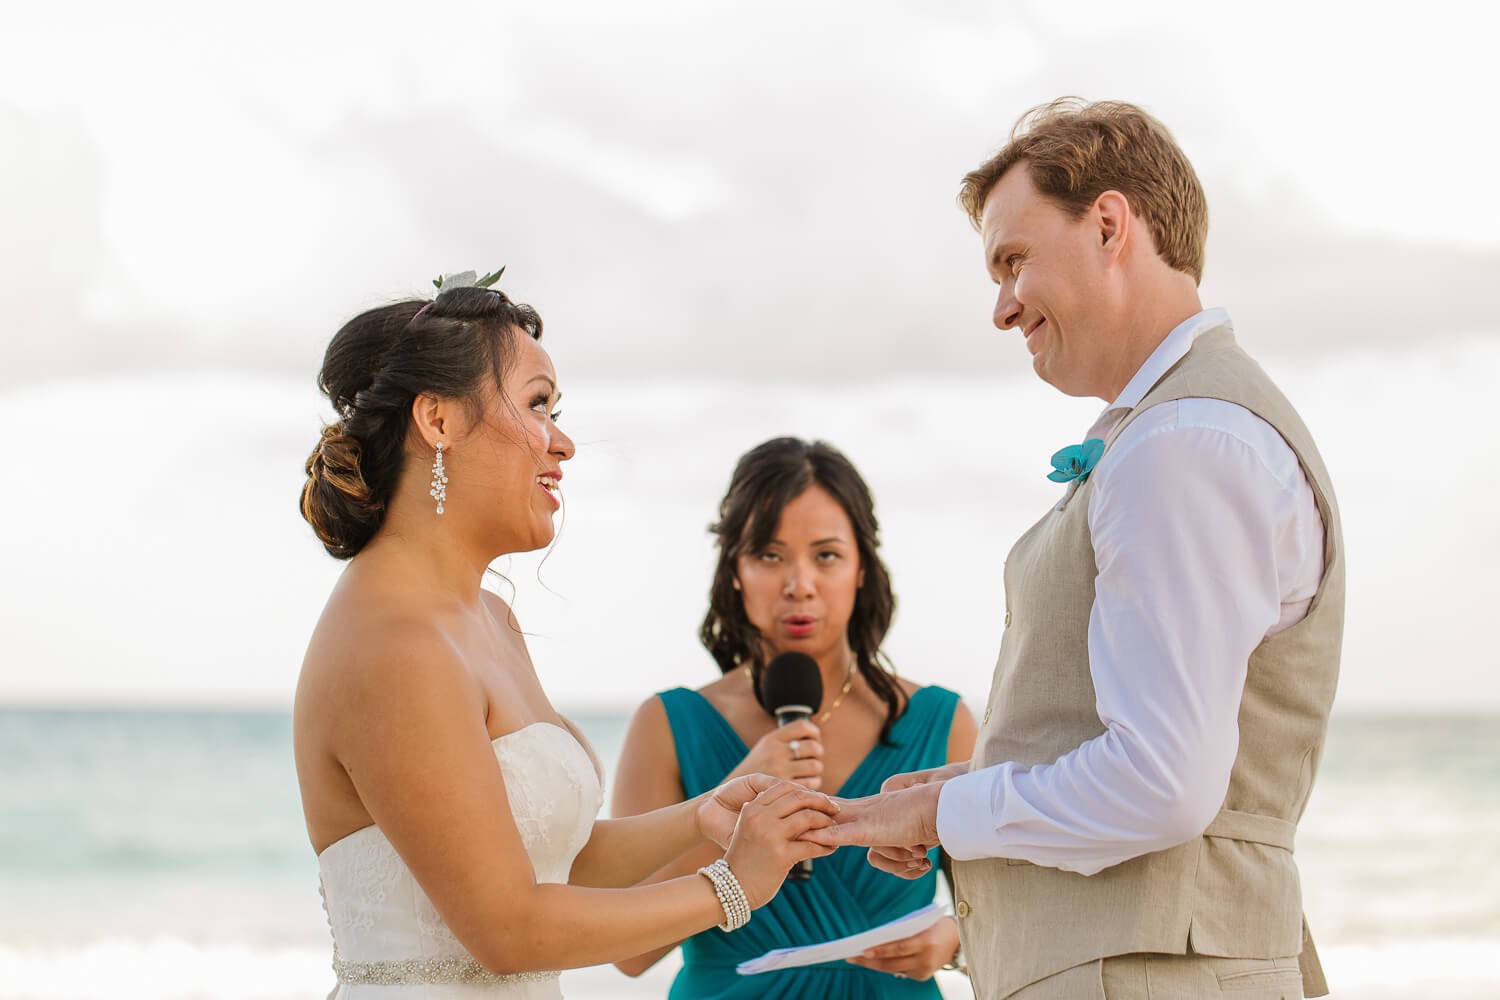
[429,971]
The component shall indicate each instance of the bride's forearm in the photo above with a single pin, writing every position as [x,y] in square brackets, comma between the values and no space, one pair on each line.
[569,927]
[623,852]
[683,864]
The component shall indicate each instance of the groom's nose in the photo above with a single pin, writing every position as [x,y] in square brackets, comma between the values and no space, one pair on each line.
[1007,309]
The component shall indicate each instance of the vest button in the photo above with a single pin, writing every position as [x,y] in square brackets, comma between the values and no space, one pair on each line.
[1007,619]
[963,909]
[987,712]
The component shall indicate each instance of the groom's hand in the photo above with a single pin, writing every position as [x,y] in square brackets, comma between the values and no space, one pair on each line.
[897,782]
[900,826]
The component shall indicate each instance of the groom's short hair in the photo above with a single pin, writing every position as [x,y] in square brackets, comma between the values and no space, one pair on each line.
[1076,150]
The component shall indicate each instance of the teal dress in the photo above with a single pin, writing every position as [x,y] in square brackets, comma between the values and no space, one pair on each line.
[845,895]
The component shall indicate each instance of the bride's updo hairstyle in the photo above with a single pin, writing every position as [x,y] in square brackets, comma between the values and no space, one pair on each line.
[375,367]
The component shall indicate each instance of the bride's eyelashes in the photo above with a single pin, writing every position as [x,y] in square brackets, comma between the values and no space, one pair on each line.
[540,403]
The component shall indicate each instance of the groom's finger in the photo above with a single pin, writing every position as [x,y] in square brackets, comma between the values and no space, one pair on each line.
[899,861]
[835,835]
[854,826]
[805,820]
[881,862]
[897,782]
[899,855]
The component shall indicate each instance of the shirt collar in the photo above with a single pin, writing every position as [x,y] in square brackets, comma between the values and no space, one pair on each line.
[1170,351]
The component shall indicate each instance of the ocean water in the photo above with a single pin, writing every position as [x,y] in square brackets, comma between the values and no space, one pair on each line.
[161,854]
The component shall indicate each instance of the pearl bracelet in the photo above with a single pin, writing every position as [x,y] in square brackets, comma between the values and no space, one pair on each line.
[731,895]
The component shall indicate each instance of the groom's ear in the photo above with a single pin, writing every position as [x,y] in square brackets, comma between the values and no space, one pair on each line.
[1113,223]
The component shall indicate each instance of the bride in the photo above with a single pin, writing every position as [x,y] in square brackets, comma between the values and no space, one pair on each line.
[451,807]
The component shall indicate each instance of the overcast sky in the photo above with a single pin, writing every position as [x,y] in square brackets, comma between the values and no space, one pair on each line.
[699,198]
[695,187]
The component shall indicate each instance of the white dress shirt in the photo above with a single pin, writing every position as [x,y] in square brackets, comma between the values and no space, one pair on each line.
[1207,539]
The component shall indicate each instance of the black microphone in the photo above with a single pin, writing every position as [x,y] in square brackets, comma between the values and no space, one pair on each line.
[792,689]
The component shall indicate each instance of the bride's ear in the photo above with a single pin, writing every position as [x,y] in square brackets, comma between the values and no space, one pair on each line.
[436,418]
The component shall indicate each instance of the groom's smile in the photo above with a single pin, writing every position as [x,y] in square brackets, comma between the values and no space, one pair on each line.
[1037,344]
[1046,265]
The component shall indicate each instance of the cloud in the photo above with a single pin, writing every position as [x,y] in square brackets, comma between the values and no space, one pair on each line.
[676,190]
[198,580]
[62,284]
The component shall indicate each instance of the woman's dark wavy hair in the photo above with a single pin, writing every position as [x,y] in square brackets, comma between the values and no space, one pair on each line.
[374,369]
[765,480]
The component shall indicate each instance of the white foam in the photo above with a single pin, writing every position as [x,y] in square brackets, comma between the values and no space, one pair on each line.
[162,969]
[172,969]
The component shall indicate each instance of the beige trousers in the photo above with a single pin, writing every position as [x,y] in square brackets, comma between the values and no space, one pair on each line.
[1171,977]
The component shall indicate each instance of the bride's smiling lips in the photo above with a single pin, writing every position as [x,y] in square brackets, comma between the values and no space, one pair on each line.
[547,483]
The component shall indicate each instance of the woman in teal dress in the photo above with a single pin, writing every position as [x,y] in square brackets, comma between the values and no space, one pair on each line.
[799,570]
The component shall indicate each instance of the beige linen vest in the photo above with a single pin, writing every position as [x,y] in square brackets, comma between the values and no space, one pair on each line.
[1232,892]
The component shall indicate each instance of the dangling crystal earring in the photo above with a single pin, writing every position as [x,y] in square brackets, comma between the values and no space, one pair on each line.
[439,491]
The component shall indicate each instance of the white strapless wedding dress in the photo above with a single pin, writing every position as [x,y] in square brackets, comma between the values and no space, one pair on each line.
[388,940]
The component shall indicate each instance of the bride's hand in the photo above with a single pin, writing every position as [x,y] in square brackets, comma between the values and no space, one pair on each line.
[765,844]
[720,810]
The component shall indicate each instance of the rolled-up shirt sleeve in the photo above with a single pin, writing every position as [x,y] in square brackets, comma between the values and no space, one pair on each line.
[1189,522]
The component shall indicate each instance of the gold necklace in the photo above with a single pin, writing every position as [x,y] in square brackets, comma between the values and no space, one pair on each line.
[822,717]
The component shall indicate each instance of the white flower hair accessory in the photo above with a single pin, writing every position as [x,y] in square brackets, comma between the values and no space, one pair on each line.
[465,279]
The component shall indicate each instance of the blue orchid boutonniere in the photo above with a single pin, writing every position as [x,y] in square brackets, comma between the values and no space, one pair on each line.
[1076,461]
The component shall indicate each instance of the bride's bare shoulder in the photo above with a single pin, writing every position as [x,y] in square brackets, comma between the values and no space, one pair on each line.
[369,648]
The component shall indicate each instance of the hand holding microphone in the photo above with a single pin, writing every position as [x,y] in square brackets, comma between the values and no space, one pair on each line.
[793,752]
[792,690]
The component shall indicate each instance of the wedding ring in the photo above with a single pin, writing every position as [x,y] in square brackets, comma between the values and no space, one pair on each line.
[796,748]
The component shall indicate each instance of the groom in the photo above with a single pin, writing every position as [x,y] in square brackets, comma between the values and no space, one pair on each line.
[1172,625]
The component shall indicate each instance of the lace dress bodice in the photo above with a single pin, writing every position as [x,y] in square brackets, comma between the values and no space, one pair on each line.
[389,940]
